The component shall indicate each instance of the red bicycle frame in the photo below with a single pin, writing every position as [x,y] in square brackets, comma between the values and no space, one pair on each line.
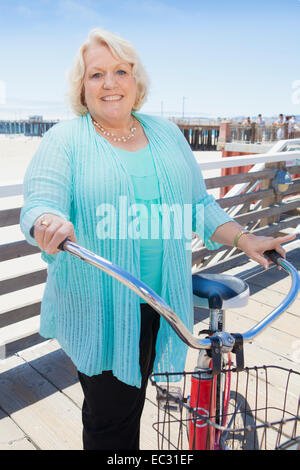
[206,396]
[203,402]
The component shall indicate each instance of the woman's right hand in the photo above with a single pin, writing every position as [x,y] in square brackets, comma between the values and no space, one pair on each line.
[49,236]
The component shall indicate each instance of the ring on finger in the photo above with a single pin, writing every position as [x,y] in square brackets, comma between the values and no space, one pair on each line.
[43,222]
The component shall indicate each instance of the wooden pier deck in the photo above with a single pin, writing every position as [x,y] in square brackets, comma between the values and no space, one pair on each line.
[40,397]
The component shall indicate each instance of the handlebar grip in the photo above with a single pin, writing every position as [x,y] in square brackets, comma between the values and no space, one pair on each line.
[60,246]
[273,256]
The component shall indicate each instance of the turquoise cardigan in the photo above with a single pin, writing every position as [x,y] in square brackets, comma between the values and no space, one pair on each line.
[96,319]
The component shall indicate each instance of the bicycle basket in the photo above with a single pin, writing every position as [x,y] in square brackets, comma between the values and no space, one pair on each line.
[257,408]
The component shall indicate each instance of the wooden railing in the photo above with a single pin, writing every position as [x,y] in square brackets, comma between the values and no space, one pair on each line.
[258,207]
[18,325]
[255,133]
[261,210]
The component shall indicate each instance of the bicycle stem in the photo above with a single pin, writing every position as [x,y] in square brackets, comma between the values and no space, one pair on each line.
[147,294]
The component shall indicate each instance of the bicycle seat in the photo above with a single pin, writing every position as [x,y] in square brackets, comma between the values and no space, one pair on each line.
[219,291]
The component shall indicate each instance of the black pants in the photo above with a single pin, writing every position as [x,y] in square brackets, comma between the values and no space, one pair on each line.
[112,410]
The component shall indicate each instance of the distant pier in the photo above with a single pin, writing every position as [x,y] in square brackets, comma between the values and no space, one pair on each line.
[33,127]
[201,136]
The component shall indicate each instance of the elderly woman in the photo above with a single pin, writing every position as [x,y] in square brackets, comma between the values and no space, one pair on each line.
[112,157]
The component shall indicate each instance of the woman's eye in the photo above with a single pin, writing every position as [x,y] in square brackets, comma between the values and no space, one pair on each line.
[121,72]
[96,75]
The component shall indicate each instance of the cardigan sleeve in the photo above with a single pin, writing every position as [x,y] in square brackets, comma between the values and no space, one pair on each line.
[207,215]
[47,185]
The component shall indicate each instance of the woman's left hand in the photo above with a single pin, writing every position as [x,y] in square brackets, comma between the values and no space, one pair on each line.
[255,246]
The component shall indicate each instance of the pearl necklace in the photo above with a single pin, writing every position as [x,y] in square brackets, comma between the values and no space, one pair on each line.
[112,136]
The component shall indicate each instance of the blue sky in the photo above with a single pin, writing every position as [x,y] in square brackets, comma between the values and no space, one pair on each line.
[225,57]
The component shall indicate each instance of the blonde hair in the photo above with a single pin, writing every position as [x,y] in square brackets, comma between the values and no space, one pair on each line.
[120,48]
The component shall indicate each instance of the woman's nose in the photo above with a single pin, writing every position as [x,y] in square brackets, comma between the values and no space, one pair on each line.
[109,80]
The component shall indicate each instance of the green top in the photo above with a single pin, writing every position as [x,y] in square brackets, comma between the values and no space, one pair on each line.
[141,169]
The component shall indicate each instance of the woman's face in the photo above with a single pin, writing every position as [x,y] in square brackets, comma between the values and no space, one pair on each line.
[109,86]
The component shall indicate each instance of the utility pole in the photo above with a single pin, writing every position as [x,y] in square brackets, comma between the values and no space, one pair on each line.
[183,99]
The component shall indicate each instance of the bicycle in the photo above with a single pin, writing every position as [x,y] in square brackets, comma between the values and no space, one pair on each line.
[216,416]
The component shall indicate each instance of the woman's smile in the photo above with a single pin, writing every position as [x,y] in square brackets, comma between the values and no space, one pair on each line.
[112,98]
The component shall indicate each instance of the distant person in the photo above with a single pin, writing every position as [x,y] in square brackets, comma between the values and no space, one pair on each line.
[280,127]
[247,121]
[260,124]
[111,156]
[247,133]
[292,127]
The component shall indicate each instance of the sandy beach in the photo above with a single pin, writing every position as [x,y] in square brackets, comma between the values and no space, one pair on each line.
[15,155]
[17,151]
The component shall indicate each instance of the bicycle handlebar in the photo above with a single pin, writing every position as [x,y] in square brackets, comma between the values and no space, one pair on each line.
[147,294]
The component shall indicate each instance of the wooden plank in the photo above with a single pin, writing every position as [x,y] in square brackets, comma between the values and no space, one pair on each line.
[19,314]
[11,436]
[245,198]
[10,217]
[11,190]
[20,330]
[47,416]
[11,234]
[230,180]
[15,346]
[260,306]
[53,364]
[17,249]
[277,209]
[11,202]
[262,194]
[270,297]
[21,282]
[20,266]
[221,266]
[278,280]
[271,339]
[148,438]
[231,162]
[21,298]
